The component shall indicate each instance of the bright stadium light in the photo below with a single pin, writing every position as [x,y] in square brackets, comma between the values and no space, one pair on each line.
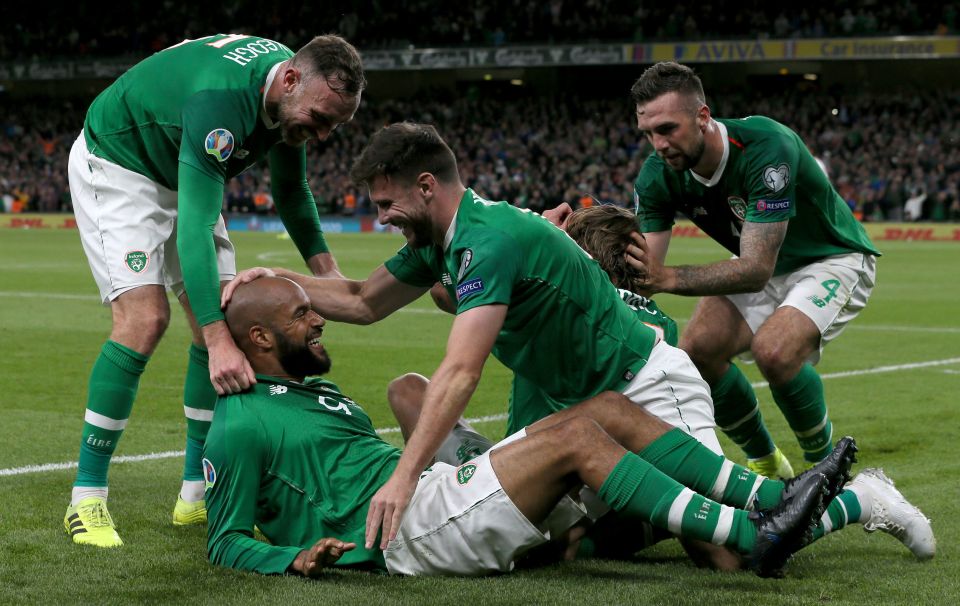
[516,82]
[811,77]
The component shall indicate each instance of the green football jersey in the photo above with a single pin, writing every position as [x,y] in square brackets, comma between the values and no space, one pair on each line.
[189,118]
[528,403]
[766,175]
[299,461]
[199,102]
[566,330]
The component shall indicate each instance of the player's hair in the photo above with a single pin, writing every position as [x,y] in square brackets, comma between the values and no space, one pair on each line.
[402,151]
[336,60]
[604,232]
[667,77]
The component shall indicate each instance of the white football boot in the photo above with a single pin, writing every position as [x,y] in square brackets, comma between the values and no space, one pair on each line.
[894,515]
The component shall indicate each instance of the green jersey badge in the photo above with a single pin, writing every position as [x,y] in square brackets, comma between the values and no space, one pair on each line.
[219,144]
[137,261]
[465,472]
[776,178]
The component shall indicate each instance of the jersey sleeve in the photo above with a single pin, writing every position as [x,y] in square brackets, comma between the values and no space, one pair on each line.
[211,123]
[294,200]
[771,173]
[415,266]
[234,461]
[654,208]
[489,268]
[198,207]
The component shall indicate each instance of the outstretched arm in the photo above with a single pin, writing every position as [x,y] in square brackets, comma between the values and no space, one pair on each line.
[340,299]
[470,343]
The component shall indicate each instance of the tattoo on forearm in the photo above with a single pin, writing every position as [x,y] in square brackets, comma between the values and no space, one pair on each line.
[759,245]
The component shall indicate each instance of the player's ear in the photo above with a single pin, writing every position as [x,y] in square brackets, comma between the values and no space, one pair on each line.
[703,117]
[291,77]
[426,183]
[261,337]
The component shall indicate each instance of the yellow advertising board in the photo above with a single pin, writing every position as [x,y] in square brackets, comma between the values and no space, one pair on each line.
[739,51]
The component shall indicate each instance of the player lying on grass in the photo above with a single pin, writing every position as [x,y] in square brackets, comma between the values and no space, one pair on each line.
[302,461]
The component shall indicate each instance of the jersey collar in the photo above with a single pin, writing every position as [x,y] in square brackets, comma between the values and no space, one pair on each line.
[448,237]
[270,124]
[723,159]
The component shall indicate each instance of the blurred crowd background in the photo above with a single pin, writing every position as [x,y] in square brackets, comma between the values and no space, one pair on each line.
[139,27]
[892,155]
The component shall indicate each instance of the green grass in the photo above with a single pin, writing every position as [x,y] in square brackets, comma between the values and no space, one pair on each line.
[52,326]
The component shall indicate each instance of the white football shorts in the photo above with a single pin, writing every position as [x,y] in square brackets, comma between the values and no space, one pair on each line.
[128,227]
[831,292]
[461,522]
[670,388]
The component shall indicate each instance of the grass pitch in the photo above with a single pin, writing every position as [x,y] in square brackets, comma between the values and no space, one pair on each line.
[891,380]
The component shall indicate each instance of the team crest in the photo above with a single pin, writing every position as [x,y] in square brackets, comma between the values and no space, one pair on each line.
[465,259]
[219,144]
[738,206]
[137,261]
[465,472]
[209,474]
[776,178]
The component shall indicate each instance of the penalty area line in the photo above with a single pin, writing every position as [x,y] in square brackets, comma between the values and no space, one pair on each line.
[169,454]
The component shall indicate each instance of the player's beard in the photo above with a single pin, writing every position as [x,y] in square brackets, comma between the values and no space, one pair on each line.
[690,159]
[292,135]
[418,230]
[298,360]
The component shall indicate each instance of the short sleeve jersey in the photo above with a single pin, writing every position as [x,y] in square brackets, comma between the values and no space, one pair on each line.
[301,461]
[566,330]
[198,102]
[768,176]
[529,404]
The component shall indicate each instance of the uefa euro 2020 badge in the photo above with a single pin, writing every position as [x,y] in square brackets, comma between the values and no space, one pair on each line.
[219,144]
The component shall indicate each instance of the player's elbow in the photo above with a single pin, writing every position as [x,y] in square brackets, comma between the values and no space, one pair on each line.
[756,277]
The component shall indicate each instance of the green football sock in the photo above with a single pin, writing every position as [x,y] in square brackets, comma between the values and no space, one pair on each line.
[112,389]
[199,397]
[802,403]
[636,488]
[681,457]
[738,415]
[843,510]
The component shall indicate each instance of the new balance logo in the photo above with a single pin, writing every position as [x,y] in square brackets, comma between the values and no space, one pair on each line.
[276,390]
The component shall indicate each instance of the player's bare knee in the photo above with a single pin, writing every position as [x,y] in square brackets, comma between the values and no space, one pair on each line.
[405,394]
[709,358]
[605,407]
[777,360]
[575,439]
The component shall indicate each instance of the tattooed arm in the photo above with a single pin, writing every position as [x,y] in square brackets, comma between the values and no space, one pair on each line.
[759,245]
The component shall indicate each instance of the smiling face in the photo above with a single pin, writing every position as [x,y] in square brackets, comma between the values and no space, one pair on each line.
[675,124]
[297,329]
[403,207]
[310,109]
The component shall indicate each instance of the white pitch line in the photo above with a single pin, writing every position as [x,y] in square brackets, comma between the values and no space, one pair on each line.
[17,471]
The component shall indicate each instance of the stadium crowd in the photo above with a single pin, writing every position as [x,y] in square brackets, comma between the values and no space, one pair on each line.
[139,28]
[541,151]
